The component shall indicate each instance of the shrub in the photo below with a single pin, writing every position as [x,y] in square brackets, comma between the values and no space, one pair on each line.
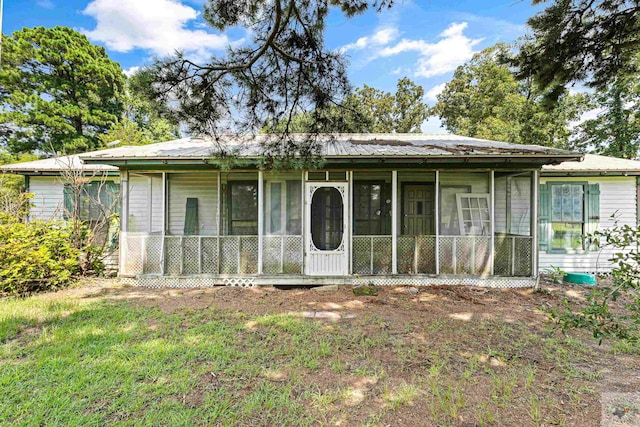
[36,255]
[598,314]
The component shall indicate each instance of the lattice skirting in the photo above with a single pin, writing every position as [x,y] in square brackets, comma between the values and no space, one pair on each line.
[199,281]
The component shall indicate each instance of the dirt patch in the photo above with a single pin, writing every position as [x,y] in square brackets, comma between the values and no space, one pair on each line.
[443,355]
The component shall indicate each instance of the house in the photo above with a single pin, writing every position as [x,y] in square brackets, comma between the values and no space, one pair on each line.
[56,183]
[577,198]
[384,209]
[47,179]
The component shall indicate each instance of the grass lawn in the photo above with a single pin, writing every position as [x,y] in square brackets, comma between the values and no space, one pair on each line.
[107,354]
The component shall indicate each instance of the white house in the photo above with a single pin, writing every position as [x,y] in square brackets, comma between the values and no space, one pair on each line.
[384,208]
[577,198]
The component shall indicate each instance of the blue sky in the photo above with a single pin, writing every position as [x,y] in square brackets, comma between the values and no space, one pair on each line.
[423,40]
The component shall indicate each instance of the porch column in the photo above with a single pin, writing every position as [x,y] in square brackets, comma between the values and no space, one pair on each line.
[218,218]
[349,221]
[492,211]
[165,201]
[165,215]
[124,201]
[260,217]
[535,200]
[394,222]
[124,219]
[437,217]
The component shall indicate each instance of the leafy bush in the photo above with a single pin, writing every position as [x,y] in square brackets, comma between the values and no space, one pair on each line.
[36,255]
[599,315]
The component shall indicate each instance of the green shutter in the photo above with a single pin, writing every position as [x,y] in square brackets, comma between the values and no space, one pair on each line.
[69,202]
[545,217]
[592,210]
[191,217]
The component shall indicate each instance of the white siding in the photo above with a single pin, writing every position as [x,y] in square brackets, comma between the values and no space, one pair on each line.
[139,202]
[617,196]
[157,208]
[203,186]
[48,199]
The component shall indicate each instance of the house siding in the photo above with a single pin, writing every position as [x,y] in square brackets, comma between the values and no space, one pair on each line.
[204,187]
[48,197]
[618,202]
[139,203]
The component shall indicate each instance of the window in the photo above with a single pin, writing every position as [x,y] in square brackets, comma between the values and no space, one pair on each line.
[569,211]
[473,214]
[243,207]
[283,201]
[371,208]
[98,200]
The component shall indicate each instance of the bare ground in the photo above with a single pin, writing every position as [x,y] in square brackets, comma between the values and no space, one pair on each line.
[480,335]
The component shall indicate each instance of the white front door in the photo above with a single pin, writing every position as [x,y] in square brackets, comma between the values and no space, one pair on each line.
[326,239]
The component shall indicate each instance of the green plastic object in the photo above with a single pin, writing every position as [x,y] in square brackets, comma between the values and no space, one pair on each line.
[580,278]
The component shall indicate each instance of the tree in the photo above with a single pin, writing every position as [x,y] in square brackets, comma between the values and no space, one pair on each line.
[58,91]
[485,100]
[594,41]
[366,110]
[144,121]
[284,69]
[616,130]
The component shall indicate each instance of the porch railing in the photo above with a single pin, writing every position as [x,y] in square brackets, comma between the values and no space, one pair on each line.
[225,255]
[469,255]
[232,255]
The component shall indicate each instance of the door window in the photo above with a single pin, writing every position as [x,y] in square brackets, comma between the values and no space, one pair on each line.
[327,218]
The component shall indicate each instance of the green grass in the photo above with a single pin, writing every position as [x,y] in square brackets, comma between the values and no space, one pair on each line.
[97,361]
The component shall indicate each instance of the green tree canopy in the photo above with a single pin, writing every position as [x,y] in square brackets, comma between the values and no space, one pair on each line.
[366,110]
[485,100]
[143,120]
[282,68]
[615,131]
[594,41]
[57,91]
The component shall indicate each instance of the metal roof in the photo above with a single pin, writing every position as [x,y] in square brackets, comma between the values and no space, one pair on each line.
[595,164]
[56,165]
[336,146]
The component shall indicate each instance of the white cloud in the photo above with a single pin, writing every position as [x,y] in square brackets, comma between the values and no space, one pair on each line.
[156,25]
[452,50]
[434,92]
[381,37]
[131,70]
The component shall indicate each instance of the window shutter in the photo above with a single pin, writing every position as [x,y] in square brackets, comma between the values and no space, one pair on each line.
[69,202]
[545,217]
[191,217]
[592,210]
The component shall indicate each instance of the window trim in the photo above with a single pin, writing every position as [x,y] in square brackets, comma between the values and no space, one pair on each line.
[230,220]
[384,187]
[570,251]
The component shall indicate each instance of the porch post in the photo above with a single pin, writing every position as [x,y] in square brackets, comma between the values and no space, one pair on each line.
[124,220]
[349,216]
[165,203]
[394,222]
[437,217]
[218,219]
[492,211]
[260,217]
[124,197]
[165,214]
[535,200]
[219,204]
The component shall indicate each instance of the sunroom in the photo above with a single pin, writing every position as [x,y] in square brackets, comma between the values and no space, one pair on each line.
[383,209]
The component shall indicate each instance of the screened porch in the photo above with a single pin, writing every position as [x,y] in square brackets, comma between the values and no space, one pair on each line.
[378,223]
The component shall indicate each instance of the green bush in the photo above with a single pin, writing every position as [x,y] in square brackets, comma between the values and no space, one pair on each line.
[36,256]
